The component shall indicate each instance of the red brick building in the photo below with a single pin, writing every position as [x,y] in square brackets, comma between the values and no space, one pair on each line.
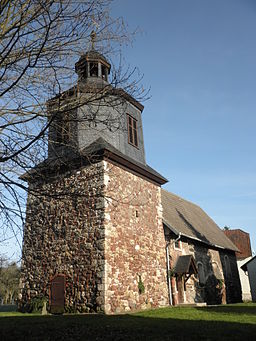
[242,241]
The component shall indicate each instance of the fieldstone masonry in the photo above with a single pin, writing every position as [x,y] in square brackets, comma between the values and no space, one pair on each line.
[101,227]
[221,284]
[64,234]
[134,242]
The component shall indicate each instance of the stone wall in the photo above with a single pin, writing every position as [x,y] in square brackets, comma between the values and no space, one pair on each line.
[100,227]
[134,245]
[217,287]
[64,234]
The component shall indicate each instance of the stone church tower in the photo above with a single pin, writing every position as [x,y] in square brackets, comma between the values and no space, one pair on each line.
[93,239]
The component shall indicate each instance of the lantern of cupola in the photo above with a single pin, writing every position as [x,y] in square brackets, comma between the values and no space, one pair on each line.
[93,66]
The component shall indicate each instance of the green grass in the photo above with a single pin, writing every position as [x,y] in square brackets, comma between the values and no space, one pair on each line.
[229,322]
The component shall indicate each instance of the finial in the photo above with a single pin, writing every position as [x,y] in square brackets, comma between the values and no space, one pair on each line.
[93,36]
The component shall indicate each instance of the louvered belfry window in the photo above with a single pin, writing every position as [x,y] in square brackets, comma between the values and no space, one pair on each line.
[132,131]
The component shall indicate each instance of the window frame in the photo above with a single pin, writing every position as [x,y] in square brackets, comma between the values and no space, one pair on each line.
[132,127]
[179,247]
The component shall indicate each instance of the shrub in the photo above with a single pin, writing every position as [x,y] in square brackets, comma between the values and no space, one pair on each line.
[34,306]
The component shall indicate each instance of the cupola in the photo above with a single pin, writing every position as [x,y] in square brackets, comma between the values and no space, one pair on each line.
[93,66]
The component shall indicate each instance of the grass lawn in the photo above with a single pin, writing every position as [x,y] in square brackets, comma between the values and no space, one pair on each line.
[228,322]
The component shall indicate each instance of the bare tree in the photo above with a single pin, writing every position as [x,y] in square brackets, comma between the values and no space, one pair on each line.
[9,281]
[40,41]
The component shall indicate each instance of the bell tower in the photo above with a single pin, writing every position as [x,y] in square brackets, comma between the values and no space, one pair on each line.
[93,110]
[93,227]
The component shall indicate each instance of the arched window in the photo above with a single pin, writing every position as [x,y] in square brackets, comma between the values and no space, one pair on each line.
[201,273]
[227,266]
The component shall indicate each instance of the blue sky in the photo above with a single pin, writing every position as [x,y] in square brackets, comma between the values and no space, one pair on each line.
[199,58]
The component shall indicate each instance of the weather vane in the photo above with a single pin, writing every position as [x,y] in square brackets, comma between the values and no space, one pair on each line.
[93,36]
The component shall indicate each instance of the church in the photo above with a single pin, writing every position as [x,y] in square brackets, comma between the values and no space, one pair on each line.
[101,235]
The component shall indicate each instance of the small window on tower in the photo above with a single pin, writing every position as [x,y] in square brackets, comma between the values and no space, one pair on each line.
[63,130]
[132,131]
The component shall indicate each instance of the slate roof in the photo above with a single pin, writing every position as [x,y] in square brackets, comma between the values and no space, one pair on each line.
[101,144]
[185,265]
[188,219]
[93,153]
[95,55]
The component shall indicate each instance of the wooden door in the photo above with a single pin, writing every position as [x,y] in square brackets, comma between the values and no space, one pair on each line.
[57,294]
[180,288]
